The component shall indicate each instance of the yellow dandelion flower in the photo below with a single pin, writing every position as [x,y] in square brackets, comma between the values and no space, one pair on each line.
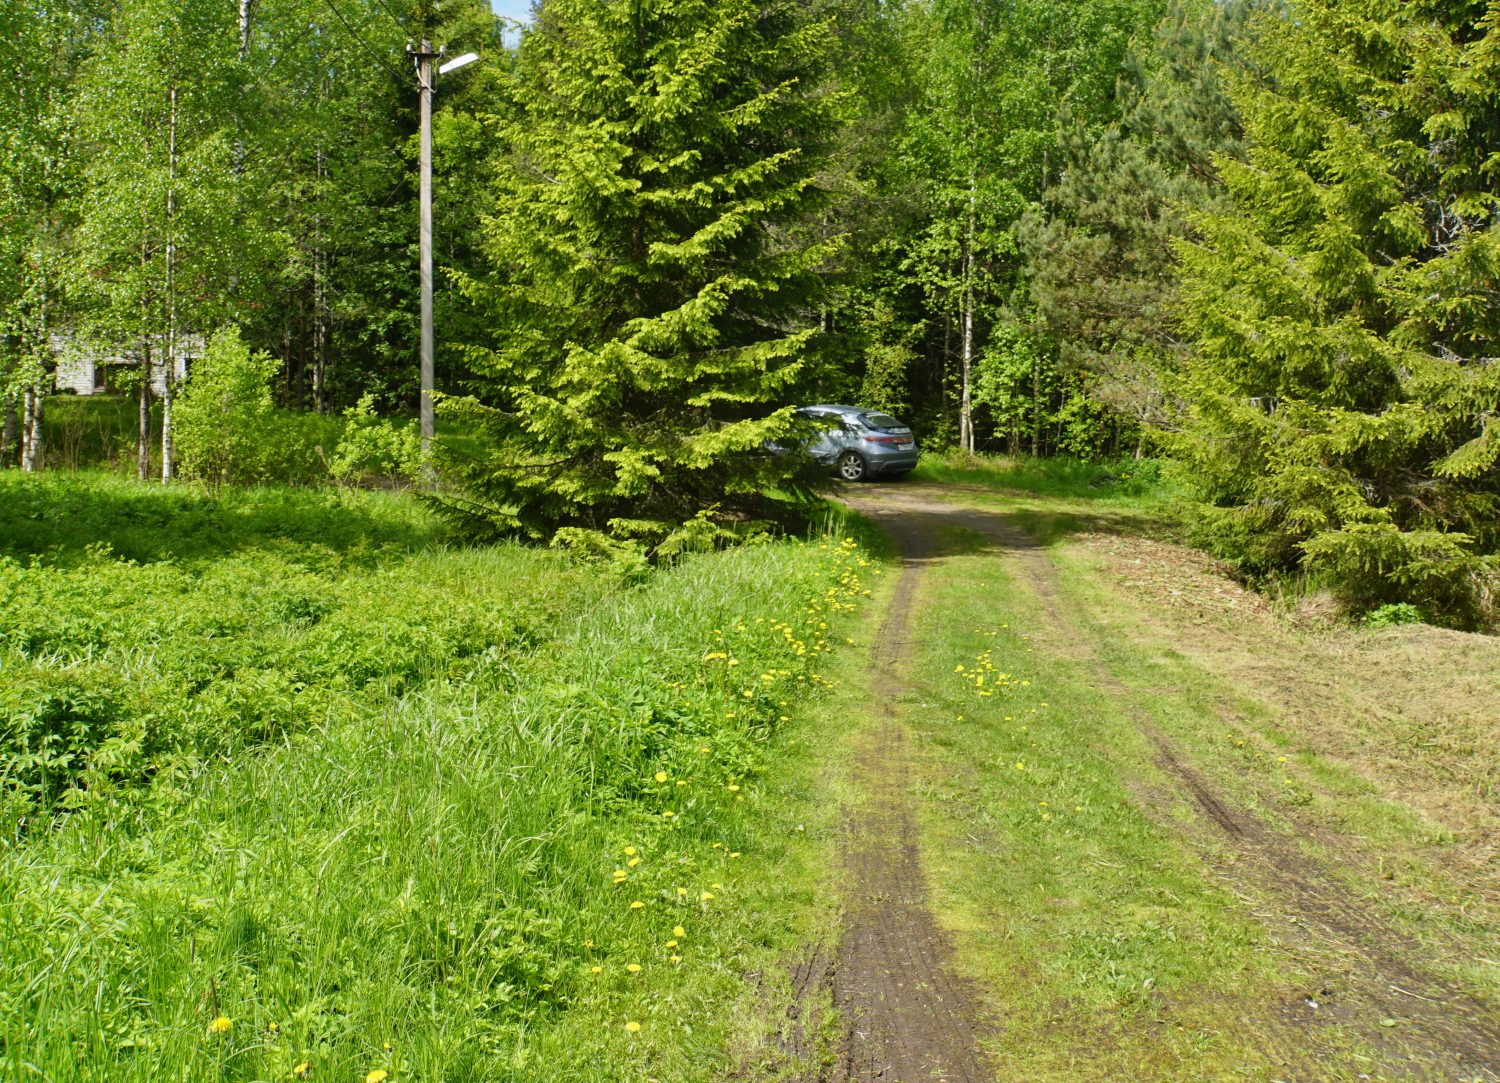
[1020,766]
[630,851]
[303,1070]
[704,750]
[379,1075]
[633,862]
[596,970]
[678,931]
[634,968]
[677,958]
[736,853]
[273,1027]
[661,776]
[682,782]
[733,788]
[633,1027]
[682,891]
[637,905]
[220,1025]
[668,814]
[671,943]
[707,896]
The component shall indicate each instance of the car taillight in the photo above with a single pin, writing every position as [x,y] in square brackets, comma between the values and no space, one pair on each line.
[882,439]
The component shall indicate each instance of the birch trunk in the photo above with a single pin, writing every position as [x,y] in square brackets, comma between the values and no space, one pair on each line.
[966,405]
[169,373]
[320,305]
[33,453]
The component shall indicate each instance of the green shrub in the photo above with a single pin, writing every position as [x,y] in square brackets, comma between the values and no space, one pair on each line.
[374,446]
[1387,616]
[220,421]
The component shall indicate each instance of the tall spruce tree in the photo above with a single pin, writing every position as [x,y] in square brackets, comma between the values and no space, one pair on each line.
[653,288]
[1346,309]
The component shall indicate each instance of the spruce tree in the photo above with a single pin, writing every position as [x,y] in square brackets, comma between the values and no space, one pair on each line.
[1344,309]
[653,288]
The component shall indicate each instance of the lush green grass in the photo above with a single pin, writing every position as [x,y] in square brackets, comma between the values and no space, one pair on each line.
[423,880]
[1088,920]
[1057,477]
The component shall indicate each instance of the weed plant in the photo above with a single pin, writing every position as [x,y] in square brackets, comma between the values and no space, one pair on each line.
[440,814]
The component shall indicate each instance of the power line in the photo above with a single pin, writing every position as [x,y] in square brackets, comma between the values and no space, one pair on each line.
[394,17]
[364,44]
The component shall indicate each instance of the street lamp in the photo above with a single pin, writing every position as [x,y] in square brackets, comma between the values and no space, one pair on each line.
[423,57]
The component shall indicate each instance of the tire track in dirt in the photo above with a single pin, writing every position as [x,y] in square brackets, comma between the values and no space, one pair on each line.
[1446,1034]
[905,1016]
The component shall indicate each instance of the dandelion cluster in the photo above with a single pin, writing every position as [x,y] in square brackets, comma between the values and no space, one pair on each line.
[986,679]
[745,676]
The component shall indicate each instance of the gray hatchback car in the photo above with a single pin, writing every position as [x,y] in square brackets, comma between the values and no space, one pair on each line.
[860,444]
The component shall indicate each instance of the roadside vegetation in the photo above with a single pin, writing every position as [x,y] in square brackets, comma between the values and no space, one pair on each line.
[276,808]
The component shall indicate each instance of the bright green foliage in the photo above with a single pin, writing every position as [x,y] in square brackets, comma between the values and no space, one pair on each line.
[652,293]
[971,146]
[375,446]
[155,245]
[1345,309]
[423,772]
[224,430]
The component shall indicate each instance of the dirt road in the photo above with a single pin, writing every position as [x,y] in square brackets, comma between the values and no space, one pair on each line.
[905,1014]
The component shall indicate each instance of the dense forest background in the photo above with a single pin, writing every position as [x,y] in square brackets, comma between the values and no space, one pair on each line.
[1255,238]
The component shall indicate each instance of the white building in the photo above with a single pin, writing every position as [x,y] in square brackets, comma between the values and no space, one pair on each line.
[88,369]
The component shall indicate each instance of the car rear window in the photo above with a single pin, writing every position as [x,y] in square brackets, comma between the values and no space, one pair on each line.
[881,421]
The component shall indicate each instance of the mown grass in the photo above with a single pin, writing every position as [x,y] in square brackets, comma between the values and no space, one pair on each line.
[1054,498]
[438,882]
[1108,951]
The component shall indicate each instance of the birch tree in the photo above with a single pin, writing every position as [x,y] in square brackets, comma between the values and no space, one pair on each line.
[41,45]
[155,246]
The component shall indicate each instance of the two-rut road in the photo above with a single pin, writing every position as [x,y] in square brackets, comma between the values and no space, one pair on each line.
[905,1015]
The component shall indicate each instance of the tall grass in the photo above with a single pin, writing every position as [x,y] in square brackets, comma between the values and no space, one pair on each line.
[424,886]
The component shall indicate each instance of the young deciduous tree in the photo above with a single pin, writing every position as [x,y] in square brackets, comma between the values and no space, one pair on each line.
[156,243]
[41,45]
[654,297]
[1346,309]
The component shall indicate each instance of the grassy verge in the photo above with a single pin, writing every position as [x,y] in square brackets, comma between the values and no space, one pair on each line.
[559,858]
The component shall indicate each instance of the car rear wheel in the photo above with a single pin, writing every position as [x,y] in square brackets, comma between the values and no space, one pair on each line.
[851,466]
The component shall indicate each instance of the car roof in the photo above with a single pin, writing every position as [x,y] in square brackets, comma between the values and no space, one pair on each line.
[836,409]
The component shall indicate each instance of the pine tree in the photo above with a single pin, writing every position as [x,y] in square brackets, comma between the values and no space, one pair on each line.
[1099,249]
[653,291]
[1344,309]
